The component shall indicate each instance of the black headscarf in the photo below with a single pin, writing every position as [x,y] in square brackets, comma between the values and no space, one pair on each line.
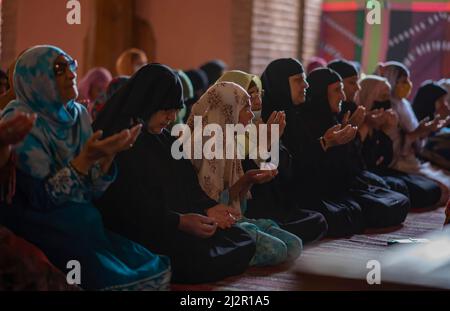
[275,81]
[199,79]
[214,70]
[424,102]
[154,87]
[344,68]
[317,108]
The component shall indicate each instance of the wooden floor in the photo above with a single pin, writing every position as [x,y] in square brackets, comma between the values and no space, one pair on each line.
[332,264]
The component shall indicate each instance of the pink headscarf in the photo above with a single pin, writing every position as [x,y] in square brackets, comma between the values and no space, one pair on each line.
[97,75]
[315,62]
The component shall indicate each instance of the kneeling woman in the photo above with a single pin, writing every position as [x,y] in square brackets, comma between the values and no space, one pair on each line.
[272,200]
[338,173]
[157,200]
[61,167]
[227,103]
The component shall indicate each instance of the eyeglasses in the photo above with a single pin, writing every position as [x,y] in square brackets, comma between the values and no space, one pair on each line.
[60,68]
[257,95]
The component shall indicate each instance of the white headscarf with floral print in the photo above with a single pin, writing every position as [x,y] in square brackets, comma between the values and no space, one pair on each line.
[220,105]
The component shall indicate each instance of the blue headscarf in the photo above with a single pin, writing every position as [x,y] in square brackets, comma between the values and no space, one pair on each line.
[61,129]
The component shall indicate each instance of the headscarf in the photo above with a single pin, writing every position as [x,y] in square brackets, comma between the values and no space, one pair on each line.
[221,105]
[344,68]
[314,63]
[199,79]
[241,78]
[154,87]
[214,69]
[61,129]
[188,89]
[392,71]
[95,107]
[94,76]
[371,88]
[275,82]
[115,85]
[125,62]
[427,95]
[317,108]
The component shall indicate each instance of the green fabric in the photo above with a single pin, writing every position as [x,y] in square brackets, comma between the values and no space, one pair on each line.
[241,78]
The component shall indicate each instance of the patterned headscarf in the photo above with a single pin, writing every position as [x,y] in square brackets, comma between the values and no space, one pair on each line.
[371,88]
[220,105]
[241,78]
[61,129]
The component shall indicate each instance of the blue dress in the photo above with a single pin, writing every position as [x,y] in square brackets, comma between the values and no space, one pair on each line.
[273,244]
[52,206]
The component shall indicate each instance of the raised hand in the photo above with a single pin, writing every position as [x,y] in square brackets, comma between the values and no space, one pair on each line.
[277,117]
[260,176]
[98,150]
[251,177]
[390,120]
[14,130]
[376,118]
[337,135]
[356,119]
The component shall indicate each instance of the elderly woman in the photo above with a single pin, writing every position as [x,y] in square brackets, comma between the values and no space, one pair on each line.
[61,167]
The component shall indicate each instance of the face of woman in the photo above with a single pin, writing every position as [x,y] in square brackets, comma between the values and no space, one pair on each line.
[442,107]
[65,75]
[255,98]
[161,119]
[351,88]
[246,115]
[335,96]
[403,88]
[298,86]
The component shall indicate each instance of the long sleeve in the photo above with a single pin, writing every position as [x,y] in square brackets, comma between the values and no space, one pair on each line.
[62,184]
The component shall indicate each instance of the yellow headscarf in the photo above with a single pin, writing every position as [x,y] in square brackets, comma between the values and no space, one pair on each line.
[241,78]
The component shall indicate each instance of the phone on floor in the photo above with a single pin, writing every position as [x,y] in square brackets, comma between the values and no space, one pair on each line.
[407,241]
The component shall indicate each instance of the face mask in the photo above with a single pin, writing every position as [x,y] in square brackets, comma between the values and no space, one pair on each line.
[403,90]
[382,104]
[257,115]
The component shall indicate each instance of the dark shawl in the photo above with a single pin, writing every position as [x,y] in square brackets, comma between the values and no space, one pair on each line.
[151,187]
[214,70]
[424,102]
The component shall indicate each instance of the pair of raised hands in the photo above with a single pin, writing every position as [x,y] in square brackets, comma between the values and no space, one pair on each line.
[103,151]
[15,129]
[345,132]
[381,119]
[427,127]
